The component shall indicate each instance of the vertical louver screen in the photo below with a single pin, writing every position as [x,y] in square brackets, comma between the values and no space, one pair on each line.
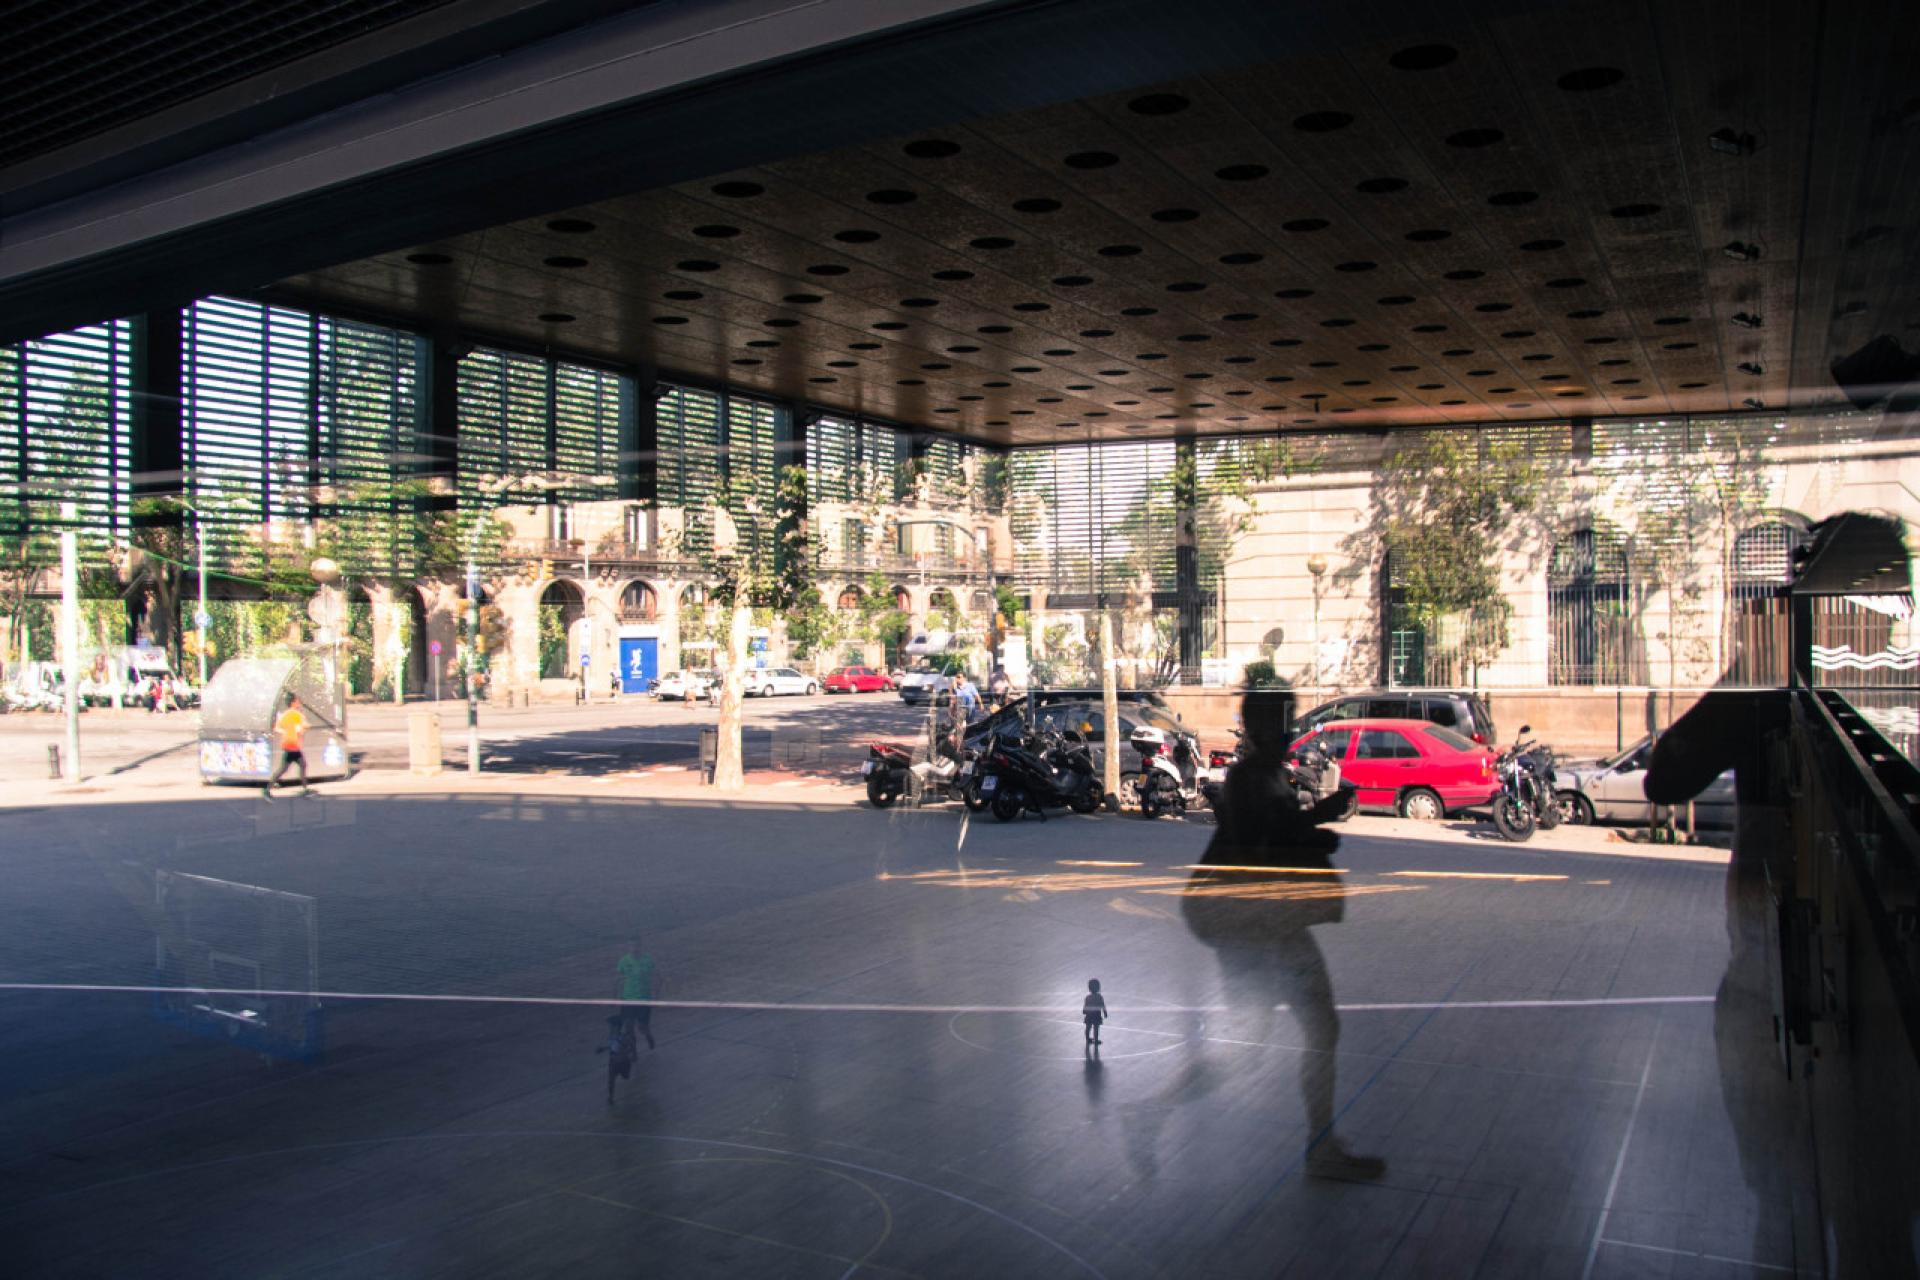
[533,429]
[1088,519]
[688,424]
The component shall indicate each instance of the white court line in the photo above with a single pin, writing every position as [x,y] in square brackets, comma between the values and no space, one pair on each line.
[773,1006]
[1620,1162]
[1707,1257]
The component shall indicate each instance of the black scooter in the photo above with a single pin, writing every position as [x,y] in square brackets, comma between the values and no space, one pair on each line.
[1042,772]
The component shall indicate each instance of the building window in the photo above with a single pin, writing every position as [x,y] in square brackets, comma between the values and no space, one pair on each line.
[853,541]
[638,603]
[1759,619]
[560,523]
[1588,610]
[634,529]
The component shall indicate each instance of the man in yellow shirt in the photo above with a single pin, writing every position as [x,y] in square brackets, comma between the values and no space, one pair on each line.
[290,735]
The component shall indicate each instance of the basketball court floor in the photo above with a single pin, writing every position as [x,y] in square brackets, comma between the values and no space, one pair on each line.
[869,1052]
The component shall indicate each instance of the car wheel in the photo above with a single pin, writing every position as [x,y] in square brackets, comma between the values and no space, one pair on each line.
[1575,809]
[1129,791]
[1422,805]
[812,689]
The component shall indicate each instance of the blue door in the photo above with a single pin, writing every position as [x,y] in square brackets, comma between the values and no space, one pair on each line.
[639,663]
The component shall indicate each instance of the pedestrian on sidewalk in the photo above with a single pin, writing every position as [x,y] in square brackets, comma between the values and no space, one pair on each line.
[1093,1011]
[636,990]
[290,732]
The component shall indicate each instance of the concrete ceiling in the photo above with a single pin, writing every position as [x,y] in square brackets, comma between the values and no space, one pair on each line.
[1507,218]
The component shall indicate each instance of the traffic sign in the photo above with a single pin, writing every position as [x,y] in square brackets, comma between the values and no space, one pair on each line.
[202,619]
[586,659]
[433,647]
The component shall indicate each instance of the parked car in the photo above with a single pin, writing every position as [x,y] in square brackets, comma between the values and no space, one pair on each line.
[931,681]
[687,686]
[1414,768]
[1614,790]
[764,682]
[856,680]
[1458,709]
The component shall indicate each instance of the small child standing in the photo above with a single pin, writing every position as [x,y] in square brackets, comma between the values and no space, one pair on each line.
[1094,1010]
[621,1050]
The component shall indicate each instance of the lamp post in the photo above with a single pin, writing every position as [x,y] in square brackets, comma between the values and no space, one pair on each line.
[473,651]
[1317,566]
[327,574]
[70,636]
[586,616]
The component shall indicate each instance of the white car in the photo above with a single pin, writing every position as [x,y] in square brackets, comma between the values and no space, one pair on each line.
[764,682]
[685,685]
[927,684]
[1614,790]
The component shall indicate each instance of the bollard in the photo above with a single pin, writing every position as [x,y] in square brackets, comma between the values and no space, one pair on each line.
[423,743]
[709,751]
[53,760]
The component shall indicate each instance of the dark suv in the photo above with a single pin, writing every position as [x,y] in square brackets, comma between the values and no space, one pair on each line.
[1457,709]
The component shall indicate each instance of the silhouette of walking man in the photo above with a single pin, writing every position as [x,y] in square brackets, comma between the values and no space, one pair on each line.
[1093,1011]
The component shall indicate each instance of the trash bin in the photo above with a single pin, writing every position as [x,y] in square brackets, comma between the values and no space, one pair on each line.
[709,751]
[423,742]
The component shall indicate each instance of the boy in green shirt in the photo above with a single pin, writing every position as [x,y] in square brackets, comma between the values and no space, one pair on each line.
[636,989]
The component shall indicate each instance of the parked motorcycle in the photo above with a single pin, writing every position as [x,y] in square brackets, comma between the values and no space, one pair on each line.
[1526,799]
[1041,772]
[1313,774]
[1169,779]
[948,773]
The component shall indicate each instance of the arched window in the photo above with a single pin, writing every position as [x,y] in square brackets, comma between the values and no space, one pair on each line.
[638,603]
[850,599]
[562,606]
[1588,609]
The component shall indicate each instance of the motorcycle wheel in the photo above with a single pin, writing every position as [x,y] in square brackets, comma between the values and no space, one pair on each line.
[1149,803]
[1090,800]
[1007,805]
[971,797]
[1549,810]
[1129,792]
[882,789]
[1353,807]
[1514,820]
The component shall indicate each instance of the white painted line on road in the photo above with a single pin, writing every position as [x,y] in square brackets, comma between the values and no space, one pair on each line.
[1710,1257]
[105,988]
[1620,1162]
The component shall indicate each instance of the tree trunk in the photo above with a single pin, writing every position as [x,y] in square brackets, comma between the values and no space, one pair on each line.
[1110,704]
[729,771]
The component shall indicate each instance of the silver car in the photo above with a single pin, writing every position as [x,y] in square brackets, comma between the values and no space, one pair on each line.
[1614,790]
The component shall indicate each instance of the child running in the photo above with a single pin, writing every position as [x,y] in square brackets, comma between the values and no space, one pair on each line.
[1094,1010]
[621,1051]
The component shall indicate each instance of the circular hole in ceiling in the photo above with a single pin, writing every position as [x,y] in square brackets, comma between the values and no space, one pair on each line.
[1072,282]
[1305,224]
[856,235]
[1159,104]
[429,259]
[1096,333]
[970,399]
[1151,355]
[1670,321]
[696,264]
[1237,360]
[1241,172]
[1335,324]
[1139,311]
[1423,57]
[566,264]
[1601,341]
[827,269]
[1058,351]
[1464,273]
[802,299]
[1239,259]
[890,326]
[580,226]
[1429,328]
[1543,246]
[1293,293]
[1280,377]
[1091,160]
[1427,235]
[946,409]
[1456,352]
[953,273]
[745,361]
[1385,399]
[683,295]
[1536,357]
[716,231]
[1566,282]
[1625,382]
[1634,210]
[994,386]
[1047,400]
[1185,286]
[781,323]
[1586,313]
[1615,362]
[1403,368]
[1357,382]
[994,328]
[1556,377]
[1032,306]
[842,364]
[1692,386]
[1174,215]
[1237,317]
[763,342]
[1569,395]
[911,382]
[931,148]
[1508,199]
[1517,333]
[1494,307]
[1451,403]
[1588,79]
[892,195]
[991,242]
[1475,138]
[1356,266]
[962,350]
[1371,346]
[1079,386]
[562,317]
[919,302]
[1322,121]
[1283,342]
[669,319]
[1194,337]
[1036,204]
[1323,364]
[1678,346]
[1431,386]
[1633,397]
[1380,186]
[863,346]
[734,190]
[1118,250]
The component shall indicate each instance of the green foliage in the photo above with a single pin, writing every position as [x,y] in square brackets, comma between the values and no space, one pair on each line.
[812,627]
[1006,602]
[553,640]
[1261,675]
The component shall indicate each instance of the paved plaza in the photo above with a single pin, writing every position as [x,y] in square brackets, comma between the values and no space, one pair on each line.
[869,1057]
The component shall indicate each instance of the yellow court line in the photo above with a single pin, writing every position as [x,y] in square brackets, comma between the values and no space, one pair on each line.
[1472,875]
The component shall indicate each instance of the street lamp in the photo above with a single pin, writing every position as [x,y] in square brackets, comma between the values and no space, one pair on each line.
[1317,566]
[586,616]
[327,574]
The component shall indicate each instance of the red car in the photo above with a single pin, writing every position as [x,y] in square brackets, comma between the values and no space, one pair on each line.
[1416,768]
[856,680]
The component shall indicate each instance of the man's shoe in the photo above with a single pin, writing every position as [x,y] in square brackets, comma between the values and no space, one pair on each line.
[267,793]
[1332,1159]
